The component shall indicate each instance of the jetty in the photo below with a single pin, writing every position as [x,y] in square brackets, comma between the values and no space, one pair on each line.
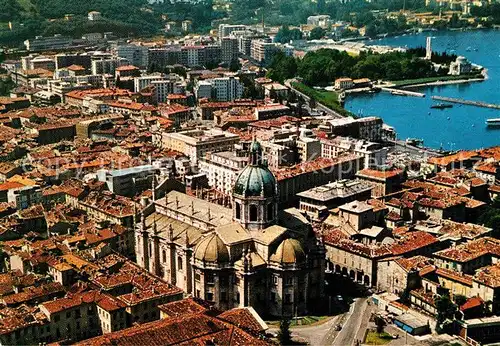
[466,102]
[401,92]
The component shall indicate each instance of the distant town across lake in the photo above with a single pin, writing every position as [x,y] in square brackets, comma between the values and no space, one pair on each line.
[459,127]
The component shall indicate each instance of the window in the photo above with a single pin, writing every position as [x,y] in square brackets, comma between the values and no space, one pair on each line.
[289,280]
[197,276]
[164,255]
[197,293]
[238,297]
[273,297]
[238,210]
[68,314]
[288,298]
[210,296]
[253,213]
[179,262]
[275,279]
[270,211]
[223,297]
[56,318]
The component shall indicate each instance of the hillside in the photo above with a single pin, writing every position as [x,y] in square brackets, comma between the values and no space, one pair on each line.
[122,17]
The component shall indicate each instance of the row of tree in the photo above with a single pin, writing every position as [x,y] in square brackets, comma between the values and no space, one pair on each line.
[323,66]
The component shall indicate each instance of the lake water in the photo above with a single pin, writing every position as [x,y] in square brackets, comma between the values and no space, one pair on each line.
[410,116]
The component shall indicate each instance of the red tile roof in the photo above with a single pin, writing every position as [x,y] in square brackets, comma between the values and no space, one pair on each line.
[192,330]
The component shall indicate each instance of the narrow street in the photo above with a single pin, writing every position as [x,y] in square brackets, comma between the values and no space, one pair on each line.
[353,327]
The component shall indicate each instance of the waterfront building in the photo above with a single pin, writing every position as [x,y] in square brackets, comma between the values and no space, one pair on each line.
[460,66]
[344,83]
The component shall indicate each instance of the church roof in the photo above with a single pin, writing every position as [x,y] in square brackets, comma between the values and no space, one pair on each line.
[233,233]
[256,179]
[211,213]
[212,249]
[290,251]
[269,234]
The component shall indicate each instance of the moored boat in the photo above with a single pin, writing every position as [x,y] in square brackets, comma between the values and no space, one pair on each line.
[494,122]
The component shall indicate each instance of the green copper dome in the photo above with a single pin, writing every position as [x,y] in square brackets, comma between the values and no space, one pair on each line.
[256,179]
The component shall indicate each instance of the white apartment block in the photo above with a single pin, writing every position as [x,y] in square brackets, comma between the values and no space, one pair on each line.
[222,169]
[226,29]
[136,55]
[262,51]
[107,66]
[219,89]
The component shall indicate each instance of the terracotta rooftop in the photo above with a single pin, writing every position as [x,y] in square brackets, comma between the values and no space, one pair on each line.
[415,262]
[191,330]
[489,276]
[412,241]
[184,307]
[471,250]
[311,166]
[379,174]
[455,276]
[458,157]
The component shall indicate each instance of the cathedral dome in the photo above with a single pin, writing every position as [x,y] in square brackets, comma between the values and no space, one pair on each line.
[289,252]
[211,249]
[256,179]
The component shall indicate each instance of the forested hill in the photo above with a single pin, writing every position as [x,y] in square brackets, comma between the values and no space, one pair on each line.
[123,17]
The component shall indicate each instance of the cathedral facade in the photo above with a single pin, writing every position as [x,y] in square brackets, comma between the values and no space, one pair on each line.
[250,255]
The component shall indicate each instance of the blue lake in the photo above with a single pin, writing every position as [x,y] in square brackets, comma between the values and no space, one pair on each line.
[413,117]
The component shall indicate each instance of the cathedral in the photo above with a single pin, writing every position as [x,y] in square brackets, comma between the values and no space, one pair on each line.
[251,255]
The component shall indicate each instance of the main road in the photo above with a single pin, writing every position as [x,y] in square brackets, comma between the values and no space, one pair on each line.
[353,325]
[307,98]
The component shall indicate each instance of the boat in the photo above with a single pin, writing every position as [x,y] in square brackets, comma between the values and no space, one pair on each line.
[397,92]
[442,106]
[414,141]
[494,122]
[468,49]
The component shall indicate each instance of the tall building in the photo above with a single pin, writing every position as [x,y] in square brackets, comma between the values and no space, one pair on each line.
[229,49]
[136,55]
[226,29]
[107,66]
[262,51]
[251,255]
[220,89]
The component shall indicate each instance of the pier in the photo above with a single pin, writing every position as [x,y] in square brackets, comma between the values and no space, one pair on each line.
[402,92]
[466,102]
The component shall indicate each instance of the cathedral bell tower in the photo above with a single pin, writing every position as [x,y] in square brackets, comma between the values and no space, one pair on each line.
[255,194]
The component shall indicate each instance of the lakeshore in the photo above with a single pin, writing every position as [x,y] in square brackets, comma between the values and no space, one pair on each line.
[460,127]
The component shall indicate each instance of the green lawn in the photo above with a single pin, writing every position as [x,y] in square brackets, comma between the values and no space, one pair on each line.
[400,83]
[326,98]
[374,338]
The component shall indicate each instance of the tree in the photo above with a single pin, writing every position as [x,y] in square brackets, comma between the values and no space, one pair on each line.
[234,66]
[445,308]
[317,33]
[312,102]
[284,335]
[380,323]
[272,94]
[460,299]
